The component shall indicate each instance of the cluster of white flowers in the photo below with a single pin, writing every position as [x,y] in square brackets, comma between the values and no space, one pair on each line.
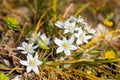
[79,32]
[29,49]
[76,29]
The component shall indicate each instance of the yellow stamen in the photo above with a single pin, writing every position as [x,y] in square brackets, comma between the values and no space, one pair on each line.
[32,63]
[65,45]
[28,47]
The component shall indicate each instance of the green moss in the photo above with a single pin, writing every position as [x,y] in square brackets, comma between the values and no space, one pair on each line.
[3,77]
[12,23]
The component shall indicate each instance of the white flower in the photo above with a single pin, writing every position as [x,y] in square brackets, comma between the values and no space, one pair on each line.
[45,39]
[59,24]
[65,45]
[27,48]
[81,20]
[90,30]
[69,27]
[82,37]
[32,63]
[34,36]
[71,19]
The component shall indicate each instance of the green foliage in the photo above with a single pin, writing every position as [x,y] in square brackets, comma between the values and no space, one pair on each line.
[12,23]
[3,77]
[94,52]
[42,44]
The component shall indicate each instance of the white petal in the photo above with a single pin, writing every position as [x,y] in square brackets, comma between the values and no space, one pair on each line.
[67,52]
[88,37]
[24,62]
[48,41]
[72,47]
[24,44]
[31,51]
[38,62]
[92,31]
[31,44]
[39,33]
[80,31]
[85,40]
[71,39]
[36,56]
[66,31]
[59,24]
[34,47]
[43,36]
[29,68]
[36,70]
[64,40]
[60,49]
[24,52]
[73,24]
[78,42]
[58,42]
[76,35]
[29,56]
[21,48]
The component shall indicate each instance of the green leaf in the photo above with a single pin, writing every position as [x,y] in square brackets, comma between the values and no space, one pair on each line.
[93,52]
[42,45]
[12,23]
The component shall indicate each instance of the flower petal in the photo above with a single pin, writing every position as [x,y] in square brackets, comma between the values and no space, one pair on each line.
[43,36]
[34,47]
[24,52]
[36,70]
[59,24]
[71,39]
[21,48]
[58,42]
[29,57]
[85,40]
[73,47]
[36,56]
[60,49]
[24,44]
[25,63]
[67,52]
[78,42]
[88,37]
[38,62]
[29,68]
[66,31]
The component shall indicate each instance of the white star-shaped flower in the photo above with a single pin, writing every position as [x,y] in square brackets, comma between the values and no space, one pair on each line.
[82,37]
[45,39]
[90,30]
[32,63]
[82,22]
[27,48]
[71,19]
[69,27]
[65,45]
[34,36]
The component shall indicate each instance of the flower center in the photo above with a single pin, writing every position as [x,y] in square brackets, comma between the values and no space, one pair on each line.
[28,47]
[66,45]
[69,27]
[32,63]
[82,36]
